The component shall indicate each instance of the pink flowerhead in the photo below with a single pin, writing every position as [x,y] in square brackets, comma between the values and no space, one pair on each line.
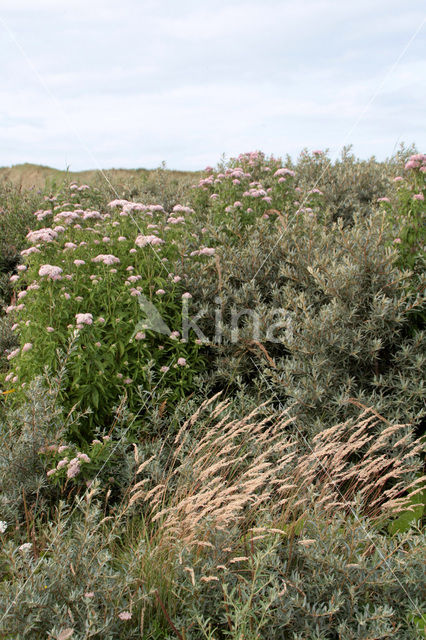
[84,318]
[207,251]
[164,369]
[125,615]
[181,362]
[117,203]
[160,292]
[284,171]
[186,295]
[142,241]
[27,347]
[52,272]
[106,259]
[73,469]
[50,329]
[41,235]
[27,252]
[411,164]
[418,196]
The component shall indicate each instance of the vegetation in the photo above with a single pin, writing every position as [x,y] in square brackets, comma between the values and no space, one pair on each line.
[213,402]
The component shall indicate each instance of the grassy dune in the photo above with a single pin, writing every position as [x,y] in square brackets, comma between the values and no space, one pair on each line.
[37,176]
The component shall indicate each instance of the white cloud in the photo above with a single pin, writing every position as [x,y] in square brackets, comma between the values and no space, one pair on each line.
[143,81]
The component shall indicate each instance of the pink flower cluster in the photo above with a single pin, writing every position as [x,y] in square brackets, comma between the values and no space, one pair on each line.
[52,272]
[284,172]
[125,615]
[417,161]
[84,318]
[106,259]
[173,220]
[74,468]
[204,251]
[142,241]
[178,208]
[42,235]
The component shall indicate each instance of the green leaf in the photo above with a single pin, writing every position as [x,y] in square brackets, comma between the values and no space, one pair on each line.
[95,398]
[410,516]
[420,622]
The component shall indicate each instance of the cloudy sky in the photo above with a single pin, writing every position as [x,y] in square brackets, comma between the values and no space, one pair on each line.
[132,83]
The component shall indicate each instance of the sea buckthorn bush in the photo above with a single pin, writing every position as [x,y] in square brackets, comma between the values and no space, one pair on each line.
[26,494]
[334,315]
[350,186]
[17,206]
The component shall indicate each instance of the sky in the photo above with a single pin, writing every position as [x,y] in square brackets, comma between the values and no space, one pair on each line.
[90,84]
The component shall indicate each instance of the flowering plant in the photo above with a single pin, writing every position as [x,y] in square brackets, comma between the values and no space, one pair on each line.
[90,277]
[406,211]
[248,190]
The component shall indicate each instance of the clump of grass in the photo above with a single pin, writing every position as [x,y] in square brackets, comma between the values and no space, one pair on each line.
[245,532]
[243,469]
[241,511]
